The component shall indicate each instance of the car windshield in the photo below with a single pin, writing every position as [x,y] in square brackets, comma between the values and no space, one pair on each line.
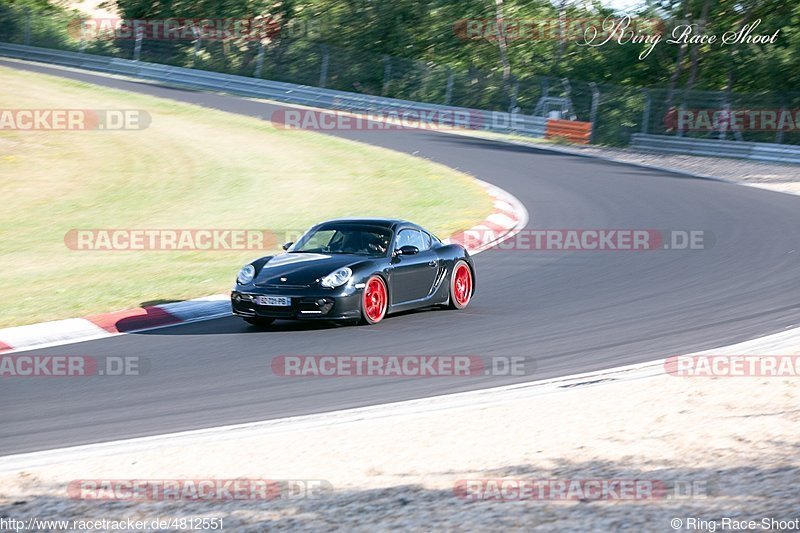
[357,239]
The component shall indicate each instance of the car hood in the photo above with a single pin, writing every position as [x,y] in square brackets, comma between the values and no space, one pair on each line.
[302,268]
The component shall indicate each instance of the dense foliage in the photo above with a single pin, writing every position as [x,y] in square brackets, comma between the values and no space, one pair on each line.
[426,30]
[450,51]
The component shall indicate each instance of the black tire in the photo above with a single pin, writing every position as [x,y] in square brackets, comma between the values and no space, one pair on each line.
[259,321]
[460,303]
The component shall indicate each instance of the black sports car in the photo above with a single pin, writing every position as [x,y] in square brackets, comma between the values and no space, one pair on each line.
[355,270]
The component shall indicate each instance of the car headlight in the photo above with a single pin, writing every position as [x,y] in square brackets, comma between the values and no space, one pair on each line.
[246,275]
[337,277]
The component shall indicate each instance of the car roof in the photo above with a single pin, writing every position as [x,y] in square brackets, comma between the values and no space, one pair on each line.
[382,222]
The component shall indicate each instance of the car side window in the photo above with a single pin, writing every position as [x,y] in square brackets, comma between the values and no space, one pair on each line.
[410,237]
[426,241]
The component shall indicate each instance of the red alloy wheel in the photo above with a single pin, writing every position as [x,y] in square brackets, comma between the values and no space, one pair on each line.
[375,300]
[461,286]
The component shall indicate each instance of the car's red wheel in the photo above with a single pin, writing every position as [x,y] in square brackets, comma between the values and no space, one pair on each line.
[375,300]
[460,285]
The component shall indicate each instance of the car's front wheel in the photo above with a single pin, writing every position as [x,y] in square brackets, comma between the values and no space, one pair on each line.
[375,300]
[460,285]
[259,321]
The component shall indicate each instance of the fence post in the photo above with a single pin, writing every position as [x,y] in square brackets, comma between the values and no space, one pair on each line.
[593,112]
[681,113]
[646,111]
[387,74]
[568,94]
[448,92]
[137,47]
[779,132]
[512,105]
[197,45]
[323,71]
[27,40]
[426,81]
[259,61]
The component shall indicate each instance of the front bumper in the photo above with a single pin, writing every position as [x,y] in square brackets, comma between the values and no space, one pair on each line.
[337,304]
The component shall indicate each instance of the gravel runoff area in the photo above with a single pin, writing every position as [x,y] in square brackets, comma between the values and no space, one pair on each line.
[773,176]
[783,177]
[718,448]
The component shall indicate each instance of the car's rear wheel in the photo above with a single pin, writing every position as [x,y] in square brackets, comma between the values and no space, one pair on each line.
[259,321]
[460,285]
[375,301]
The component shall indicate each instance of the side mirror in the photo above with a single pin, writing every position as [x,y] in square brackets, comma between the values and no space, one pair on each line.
[287,245]
[407,250]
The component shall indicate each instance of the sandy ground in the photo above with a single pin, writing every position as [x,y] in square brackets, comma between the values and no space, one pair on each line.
[721,447]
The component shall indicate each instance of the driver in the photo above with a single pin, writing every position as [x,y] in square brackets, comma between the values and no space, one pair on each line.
[352,242]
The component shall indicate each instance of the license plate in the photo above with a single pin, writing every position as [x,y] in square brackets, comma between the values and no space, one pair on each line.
[276,301]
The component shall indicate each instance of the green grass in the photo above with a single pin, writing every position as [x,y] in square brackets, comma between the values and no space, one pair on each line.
[191,168]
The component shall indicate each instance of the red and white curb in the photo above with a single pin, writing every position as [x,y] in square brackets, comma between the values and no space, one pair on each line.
[508,217]
[108,324]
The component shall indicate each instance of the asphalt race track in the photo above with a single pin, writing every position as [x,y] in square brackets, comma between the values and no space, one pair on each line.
[568,312]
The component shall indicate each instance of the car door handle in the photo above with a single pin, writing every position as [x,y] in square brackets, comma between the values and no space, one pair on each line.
[431,263]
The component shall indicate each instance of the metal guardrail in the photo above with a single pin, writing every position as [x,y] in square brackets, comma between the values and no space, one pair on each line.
[777,153]
[279,91]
